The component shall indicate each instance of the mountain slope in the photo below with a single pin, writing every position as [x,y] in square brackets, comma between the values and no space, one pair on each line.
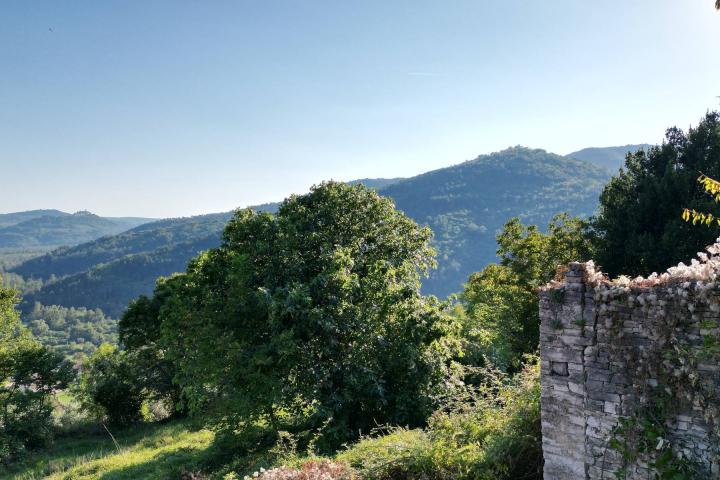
[467,204]
[611,158]
[144,238]
[111,286]
[7,219]
[55,229]
[376,183]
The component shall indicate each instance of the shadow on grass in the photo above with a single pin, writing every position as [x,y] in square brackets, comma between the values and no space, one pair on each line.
[165,466]
[152,451]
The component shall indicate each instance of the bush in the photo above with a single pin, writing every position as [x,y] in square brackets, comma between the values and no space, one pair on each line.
[495,436]
[108,387]
[29,375]
[398,454]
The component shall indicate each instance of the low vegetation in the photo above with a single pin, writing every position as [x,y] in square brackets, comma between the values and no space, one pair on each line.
[73,332]
[153,451]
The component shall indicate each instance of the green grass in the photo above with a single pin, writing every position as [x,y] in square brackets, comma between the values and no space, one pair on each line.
[151,451]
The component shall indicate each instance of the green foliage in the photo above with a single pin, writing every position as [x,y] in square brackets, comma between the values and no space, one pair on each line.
[639,229]
[313,315]
[108,387]
[73,332]
[465,205]
[29,374]
[12,257]
[140,333]
[488,432]
[109,272]
[16,282]
[147,452]
[111,286]
[502,319]
[711,187]
[493,435]
[645,435]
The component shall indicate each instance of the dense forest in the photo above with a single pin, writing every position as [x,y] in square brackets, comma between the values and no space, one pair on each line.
[466,205]
[72,332]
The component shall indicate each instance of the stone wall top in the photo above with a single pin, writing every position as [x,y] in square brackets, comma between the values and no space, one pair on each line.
[613,349]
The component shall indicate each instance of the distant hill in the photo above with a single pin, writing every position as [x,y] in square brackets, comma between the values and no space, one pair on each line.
[611,158]
[142,239]
[111,286]
[7,219]
[52,228]
[465,205]
[376,183]
[109,272]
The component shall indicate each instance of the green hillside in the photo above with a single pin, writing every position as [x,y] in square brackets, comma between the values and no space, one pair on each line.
[465,205]
[110,286]
[611,158]
[145,238]
[57,228]
[7,219]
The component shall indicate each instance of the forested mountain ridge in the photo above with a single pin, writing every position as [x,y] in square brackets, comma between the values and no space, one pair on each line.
[611,158]
[465,205]
[377,183]
[7,219]
[52,228]
[111,286]
[144,238]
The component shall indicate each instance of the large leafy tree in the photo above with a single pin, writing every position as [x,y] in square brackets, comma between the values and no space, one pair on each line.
[639,228]
[29,374]
[141,335]
[501,305]
[312,315]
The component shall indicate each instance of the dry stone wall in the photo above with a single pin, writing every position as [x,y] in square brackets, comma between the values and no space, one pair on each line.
[630,373]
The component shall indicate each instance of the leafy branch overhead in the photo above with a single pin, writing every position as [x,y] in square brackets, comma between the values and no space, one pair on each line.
[712,187]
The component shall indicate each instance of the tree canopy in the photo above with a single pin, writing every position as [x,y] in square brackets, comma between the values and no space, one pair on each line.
[639,228]
[501,301]
[312,313]
[29,373]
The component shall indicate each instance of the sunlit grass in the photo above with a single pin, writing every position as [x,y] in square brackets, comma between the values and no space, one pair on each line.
[147,452]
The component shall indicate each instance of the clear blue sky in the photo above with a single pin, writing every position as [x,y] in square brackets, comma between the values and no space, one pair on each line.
[171,108]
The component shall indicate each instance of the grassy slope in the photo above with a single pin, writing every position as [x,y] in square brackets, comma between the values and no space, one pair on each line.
[152,452]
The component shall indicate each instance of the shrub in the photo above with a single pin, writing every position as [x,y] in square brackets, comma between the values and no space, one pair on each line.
[29,375]
[496,436]
[108,388]
[398,454]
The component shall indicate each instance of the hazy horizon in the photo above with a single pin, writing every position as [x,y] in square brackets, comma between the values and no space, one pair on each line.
[131,215]
[176,108]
